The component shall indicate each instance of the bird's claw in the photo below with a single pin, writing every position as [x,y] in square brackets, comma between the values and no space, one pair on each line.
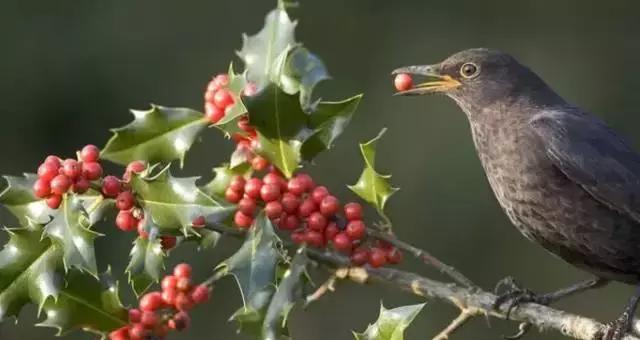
[509,292]
[617,329]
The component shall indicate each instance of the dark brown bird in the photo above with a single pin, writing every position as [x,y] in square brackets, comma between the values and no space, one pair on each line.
[564,179]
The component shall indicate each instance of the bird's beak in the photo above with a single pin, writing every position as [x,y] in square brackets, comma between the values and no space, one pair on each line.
[438,82]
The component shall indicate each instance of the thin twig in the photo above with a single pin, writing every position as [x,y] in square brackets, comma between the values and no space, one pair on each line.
[464,316]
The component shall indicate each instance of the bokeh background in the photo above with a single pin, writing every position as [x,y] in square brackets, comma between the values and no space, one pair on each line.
[69,70]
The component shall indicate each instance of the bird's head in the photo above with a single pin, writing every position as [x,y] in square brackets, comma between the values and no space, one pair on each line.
[474,78]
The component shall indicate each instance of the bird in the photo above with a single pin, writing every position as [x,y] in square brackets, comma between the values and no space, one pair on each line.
[565,180]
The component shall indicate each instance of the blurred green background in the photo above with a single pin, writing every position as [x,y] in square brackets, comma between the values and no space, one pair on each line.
[69,70]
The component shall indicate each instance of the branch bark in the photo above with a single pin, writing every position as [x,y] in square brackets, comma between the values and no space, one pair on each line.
[471,300]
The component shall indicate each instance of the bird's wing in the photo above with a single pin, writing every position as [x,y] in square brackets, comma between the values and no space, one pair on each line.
[594,156]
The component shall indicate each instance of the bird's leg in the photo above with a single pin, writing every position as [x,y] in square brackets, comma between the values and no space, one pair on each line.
[510,292]
[617,329]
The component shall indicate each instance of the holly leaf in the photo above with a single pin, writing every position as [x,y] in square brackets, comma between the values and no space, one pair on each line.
[260,51]
[173,203]
[237,84]
[207,239]
[223,176]
[146,264]
[282,123]
[254,268]
[391,323]
[298,70]
[328,122]
[19,199]
[288,293]
[70,230]
[86,303]
[372,186]
[160,134]
[29,266]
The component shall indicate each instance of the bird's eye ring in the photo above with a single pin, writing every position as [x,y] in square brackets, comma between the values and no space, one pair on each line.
[469,70]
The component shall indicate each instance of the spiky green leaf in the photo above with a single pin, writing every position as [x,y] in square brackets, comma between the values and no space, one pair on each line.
[86,303]
[298,70]
[70,228]
[391,323]
[260,51]
[19,199]
[146,264]
[160,134]
[29,270]
[173,203]
[289,292]
[372,186]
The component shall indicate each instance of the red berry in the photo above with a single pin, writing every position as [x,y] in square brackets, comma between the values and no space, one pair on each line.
[298,237]
[136,167]
[259,163]
[168,242]
[270,192]
[48,170]
[168,282]
[208,96]
[237,184]
[223,98]
[220,81]
[183,270]
[169,296]
[138,332]
[92,170]
[242,220]
[134,315]
[120,334]
[403,82]
[250,90]
[273,178]
[71,168]
[307,180]
[331,231]
[199,222]
[360,256]
[183,284]
[317,221]
[149,319]
[290,203]
[81,185]
[247,206]
[60,184]
[125,200]
[200,294]
[42,188]
[273,209]
[307,207]
[54,201]
[394,256]
[329,206]
[55,160]
[377,258]
[142,233]
[232,195]
[125,221]
[180,321]
[342,242]
[296,186]
[90,153]
[353,211]
[111,186]
[314,238]
[243,124]
[319,193]
[151,302]
[291,222]
[253,187]
[213,113]
[356,229]
[183,302]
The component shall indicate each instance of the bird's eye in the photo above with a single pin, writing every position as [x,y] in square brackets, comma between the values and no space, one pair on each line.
[469,70]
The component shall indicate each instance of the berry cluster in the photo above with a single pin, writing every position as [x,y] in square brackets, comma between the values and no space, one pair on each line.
[218,99]
[310,212]
[160,312]
[56,177]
